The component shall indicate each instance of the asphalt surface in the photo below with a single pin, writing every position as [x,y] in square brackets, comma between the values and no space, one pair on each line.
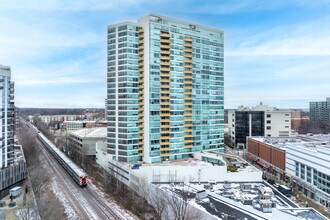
[84,201]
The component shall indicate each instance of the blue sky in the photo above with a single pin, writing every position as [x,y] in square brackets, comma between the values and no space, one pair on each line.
[277,52]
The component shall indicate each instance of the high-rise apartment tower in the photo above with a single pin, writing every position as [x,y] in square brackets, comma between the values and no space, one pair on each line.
[320,113]
[165,96]
[7,122]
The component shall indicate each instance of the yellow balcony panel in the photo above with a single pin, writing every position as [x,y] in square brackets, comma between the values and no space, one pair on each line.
[165,97]
[164,35]
[188,130]
[187,39]
[188,54]
[187,61]
[187,86]
[165,46]
[141,47]
[165,148]
[187,45]
[165,69]
[140,148]
[187,51]
[187,71]
[141,69]
[164,86]
[141,80]
[165,92]
[165,155]
[162,63]
[165,108]
[165,120]
[164,80]
[187,93]
[165,126]
[141,75]
[188,141]
[141,154]
[164,74]
[141,131]
[188,66]
[188,135]
[141,58]
[188,146]
[141,119]
[165,103]
[166,52]
[141,142]
[187,120]
[165,137]
[165,57]
[165,40]
[141,52]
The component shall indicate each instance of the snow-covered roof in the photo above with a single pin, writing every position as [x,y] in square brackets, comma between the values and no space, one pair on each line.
[100,132]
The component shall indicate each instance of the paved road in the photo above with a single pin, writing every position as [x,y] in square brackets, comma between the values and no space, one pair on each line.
[83,201]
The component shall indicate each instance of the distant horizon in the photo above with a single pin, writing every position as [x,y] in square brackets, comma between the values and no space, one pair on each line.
[277,52]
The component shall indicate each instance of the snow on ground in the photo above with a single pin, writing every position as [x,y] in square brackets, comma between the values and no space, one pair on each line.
[125,214]
[69,211]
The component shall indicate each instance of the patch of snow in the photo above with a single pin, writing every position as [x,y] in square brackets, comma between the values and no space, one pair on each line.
[69,211]
[125,214]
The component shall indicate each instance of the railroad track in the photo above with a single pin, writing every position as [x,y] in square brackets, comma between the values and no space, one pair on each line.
[102,206]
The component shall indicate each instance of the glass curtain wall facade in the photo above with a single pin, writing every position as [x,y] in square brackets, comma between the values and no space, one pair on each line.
[174,104]
[242,125]
[7,114]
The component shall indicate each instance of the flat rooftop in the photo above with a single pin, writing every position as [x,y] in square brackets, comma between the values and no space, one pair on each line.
[99,132]
[308,141]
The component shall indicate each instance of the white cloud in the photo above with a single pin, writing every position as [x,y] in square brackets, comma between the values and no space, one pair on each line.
[312,38]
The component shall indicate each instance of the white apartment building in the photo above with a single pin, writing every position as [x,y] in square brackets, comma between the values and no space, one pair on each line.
[309,164]
[261,120]
[82,143]
[304,158]
[7,115]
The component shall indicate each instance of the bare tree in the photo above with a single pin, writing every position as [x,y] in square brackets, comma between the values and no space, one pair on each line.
[27,212]
[174,204]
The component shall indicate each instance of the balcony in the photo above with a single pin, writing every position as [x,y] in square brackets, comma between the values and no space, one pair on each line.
[165,46]
[165,57]
[165,52]
[187,45]
[187,39]
[164,74]
[165,69]
[167,63]
[164,80]
[166,40]
[187,54]
[165,86]
[187,66]
[164,35]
